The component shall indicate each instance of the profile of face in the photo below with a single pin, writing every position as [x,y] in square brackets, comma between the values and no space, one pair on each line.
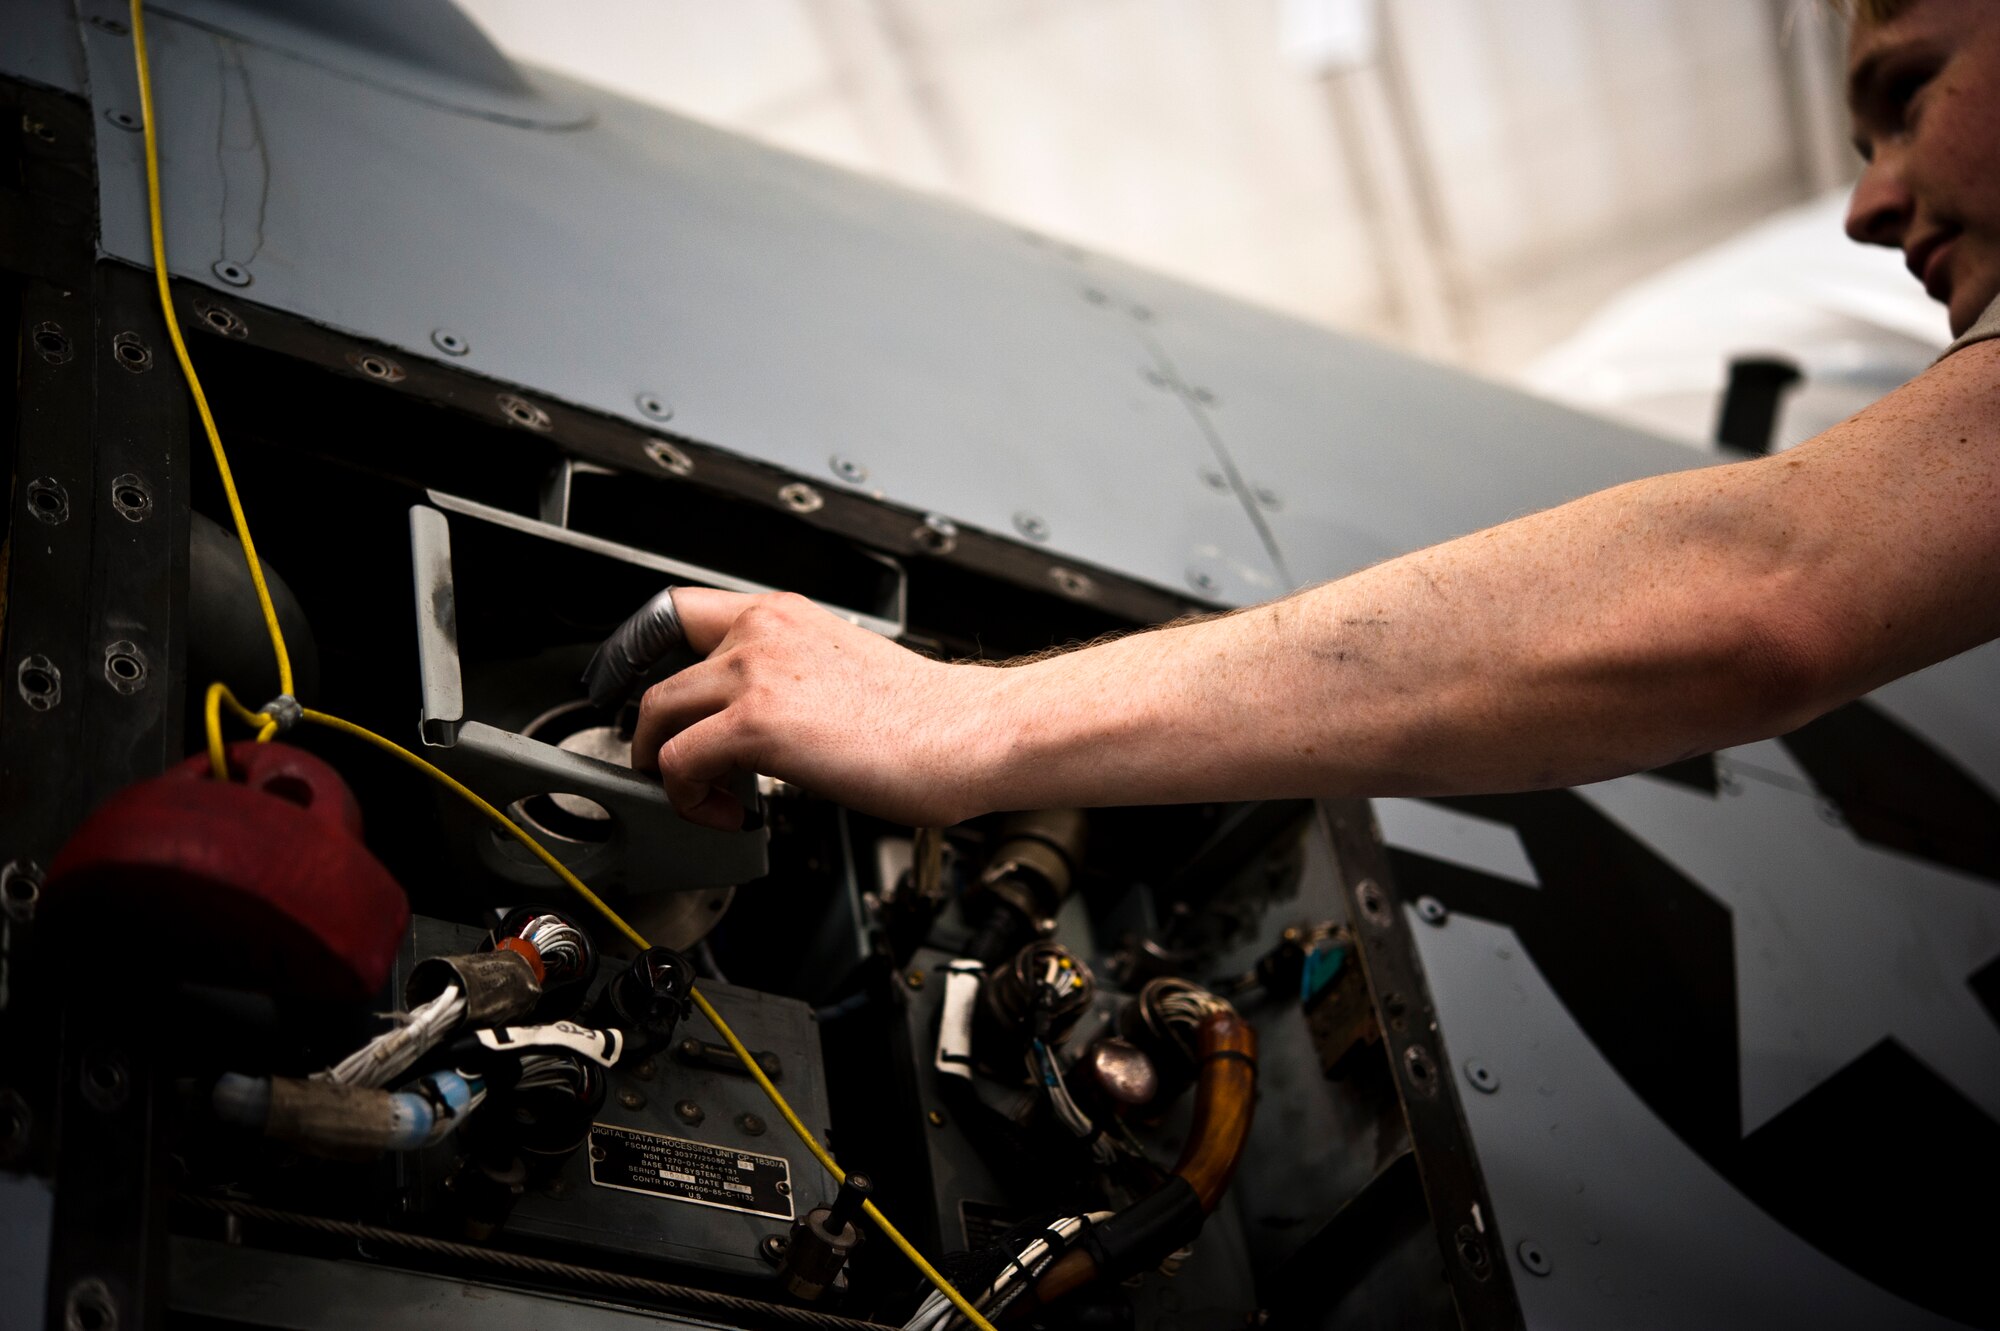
[1924,90]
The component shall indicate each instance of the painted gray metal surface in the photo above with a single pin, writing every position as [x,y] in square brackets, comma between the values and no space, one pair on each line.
[889,623]
[1635,1230]
[27,1209]
[38,43]
[1454,837]
[257,1287]
[1952,705]
[1838,943]
[1351,452]
[785,310]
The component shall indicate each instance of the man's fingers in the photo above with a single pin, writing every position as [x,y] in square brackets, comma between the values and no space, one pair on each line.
[676,703]
[707,615]
[692,766]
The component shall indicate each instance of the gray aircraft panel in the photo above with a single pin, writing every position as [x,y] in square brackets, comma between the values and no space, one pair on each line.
[1456,838]
[786,310]
[1951,706]
[38,44]
[1567,1150]
[1813,906]
[1352,452]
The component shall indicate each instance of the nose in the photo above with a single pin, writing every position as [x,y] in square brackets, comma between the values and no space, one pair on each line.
[1879,211]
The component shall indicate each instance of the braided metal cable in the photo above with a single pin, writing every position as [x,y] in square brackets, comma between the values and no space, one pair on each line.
[540,1266]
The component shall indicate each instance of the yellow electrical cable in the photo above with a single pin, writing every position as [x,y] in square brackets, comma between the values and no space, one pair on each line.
[219,695]
[159,236]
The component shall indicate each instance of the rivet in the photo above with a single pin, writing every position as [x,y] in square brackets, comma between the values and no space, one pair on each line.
[450,343]
[1419,1070]
[51,343]
[689,1112]
[39,682]
[522,412]
[1214,479]
[125,120]
[1031,526]
[1481,1076]
[847,469]
[231,272]
[48,501]
[751,1125]
[1374,904]
[1268,497]
[1154,377]
[938,534]
[1532,1257]
[1072,583]
[124,667]
[801,498]
[655,407]
[668,458]
[220,319]
[1431,911]
[375,365]
[631,1099]
[131,353]
[91,1304]
[915,979]
[20,889]
[936,1116]
[1202,580]
[104,1082]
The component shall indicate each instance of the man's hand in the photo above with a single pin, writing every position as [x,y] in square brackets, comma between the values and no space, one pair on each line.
[793,692]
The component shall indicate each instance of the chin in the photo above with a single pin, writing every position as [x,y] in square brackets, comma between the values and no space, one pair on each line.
[1969,302]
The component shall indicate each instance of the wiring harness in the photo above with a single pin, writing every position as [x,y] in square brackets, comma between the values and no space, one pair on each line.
[1019,1270]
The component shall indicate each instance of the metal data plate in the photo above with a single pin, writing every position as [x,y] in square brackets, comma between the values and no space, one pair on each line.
[670,1115]
[859,336]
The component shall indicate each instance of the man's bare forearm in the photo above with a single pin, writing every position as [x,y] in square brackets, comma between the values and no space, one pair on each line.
[1622,631]
[1629,628]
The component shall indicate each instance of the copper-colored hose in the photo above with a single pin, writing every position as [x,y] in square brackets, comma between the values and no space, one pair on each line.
[1225,1096]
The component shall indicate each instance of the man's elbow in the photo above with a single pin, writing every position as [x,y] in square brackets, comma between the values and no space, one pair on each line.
[1788,664]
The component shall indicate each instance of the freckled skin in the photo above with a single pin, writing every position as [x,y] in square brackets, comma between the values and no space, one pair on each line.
[1634,627]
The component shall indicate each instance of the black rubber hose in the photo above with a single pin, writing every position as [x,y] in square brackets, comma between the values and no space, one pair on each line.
[226,636]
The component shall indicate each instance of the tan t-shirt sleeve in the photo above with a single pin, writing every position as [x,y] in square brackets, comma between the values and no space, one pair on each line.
[1987,325]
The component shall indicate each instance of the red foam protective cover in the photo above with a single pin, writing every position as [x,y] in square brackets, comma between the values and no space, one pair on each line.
[261,883]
